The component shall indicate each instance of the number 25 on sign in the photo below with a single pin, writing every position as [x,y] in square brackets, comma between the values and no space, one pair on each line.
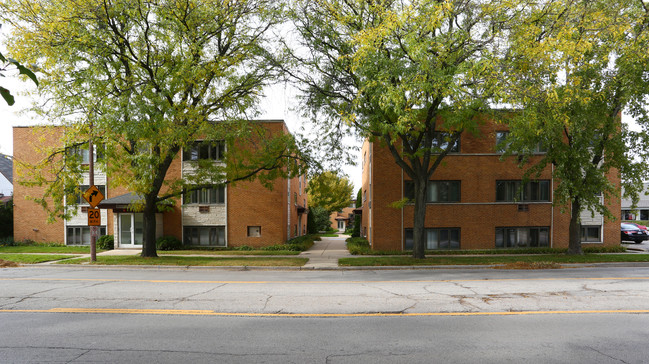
[94,217]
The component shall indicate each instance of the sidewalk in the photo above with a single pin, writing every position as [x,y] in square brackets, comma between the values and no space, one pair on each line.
[325,253]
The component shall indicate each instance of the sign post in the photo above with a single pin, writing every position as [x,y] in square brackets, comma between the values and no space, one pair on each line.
[94,197]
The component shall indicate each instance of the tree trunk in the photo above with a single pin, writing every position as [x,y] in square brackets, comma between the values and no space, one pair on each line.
[418,230]
[574,232]
[149,243]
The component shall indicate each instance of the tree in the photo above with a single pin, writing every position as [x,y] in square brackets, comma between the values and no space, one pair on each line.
[318,218]
[330,191]
[409,75]
[357,218]
[22,70]
[145,79]
[576,65]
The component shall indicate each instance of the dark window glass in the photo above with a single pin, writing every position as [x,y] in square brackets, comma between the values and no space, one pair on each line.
[522,237]
[533,191]
[209,150]
[435,239]
[590,233]
[437,191]
[80,235]
[204,235]
[214,195]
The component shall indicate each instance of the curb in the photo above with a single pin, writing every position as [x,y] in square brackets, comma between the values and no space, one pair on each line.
[366,268]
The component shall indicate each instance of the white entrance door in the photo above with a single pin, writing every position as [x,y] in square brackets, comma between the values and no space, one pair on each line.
[131,230]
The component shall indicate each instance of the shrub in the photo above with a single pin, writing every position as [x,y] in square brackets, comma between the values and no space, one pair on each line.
[8,242]
[243,248]
[358,246]
[169,243]
[106,242]
[299,244]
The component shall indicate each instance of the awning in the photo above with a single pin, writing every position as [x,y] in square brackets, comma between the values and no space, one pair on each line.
[128,203]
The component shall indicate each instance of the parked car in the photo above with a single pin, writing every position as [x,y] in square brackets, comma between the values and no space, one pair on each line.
[631,232]
[641,227]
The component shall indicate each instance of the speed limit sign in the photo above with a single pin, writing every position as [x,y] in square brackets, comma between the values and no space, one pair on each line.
[94,217]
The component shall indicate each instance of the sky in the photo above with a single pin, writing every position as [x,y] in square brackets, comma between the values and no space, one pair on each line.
[280,102]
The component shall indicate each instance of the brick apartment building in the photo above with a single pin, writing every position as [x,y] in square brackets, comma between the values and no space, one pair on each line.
[243,214]
[474,202]
[341,220]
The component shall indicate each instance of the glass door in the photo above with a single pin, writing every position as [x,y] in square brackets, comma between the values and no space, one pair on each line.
[125,230]
[131,230]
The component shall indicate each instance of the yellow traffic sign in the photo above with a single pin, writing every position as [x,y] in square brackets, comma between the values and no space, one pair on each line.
[93,196]
[94,217]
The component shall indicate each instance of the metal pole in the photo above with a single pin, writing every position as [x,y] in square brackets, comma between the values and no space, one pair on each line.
[91,165]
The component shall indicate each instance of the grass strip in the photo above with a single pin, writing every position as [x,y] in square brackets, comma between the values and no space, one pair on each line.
[228,252]
[328,235]
[491,260]
[31,259]
[193,261]
[46,249]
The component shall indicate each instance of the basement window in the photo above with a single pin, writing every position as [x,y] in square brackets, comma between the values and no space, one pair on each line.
[254,231]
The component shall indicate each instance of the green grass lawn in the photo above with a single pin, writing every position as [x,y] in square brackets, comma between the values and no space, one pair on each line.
[227,252]
[193,261]
[31,258]
[332,235]
[490,260]
[46,249]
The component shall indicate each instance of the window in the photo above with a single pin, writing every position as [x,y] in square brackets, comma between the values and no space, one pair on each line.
[214,195]
[83,153]
[533,191]
[211,150]
[82,201]
[80,235]
[441,140]
[255,231]
[204,235]
[437,191]
[502,144]
[522,237]
[436,239]
[591,233]
[501,141]
[295,197]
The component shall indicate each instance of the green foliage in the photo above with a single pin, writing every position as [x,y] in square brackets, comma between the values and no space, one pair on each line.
[7,220]
[169,243]
[106,242]
[244,248]
[22,70]
[311,227]
[573,70]
[319,218]
[397,73]
[358,246]
[359,198]
[330,191]
[146,79]
[300,243]
[8,241]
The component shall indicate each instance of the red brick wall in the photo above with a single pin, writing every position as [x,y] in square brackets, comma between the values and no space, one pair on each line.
[477,215]
[249,203]
[30,218]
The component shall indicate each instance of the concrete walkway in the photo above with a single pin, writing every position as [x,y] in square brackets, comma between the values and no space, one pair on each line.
[325,253]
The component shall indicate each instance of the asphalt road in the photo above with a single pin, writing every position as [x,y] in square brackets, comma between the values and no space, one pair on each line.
[71,314]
